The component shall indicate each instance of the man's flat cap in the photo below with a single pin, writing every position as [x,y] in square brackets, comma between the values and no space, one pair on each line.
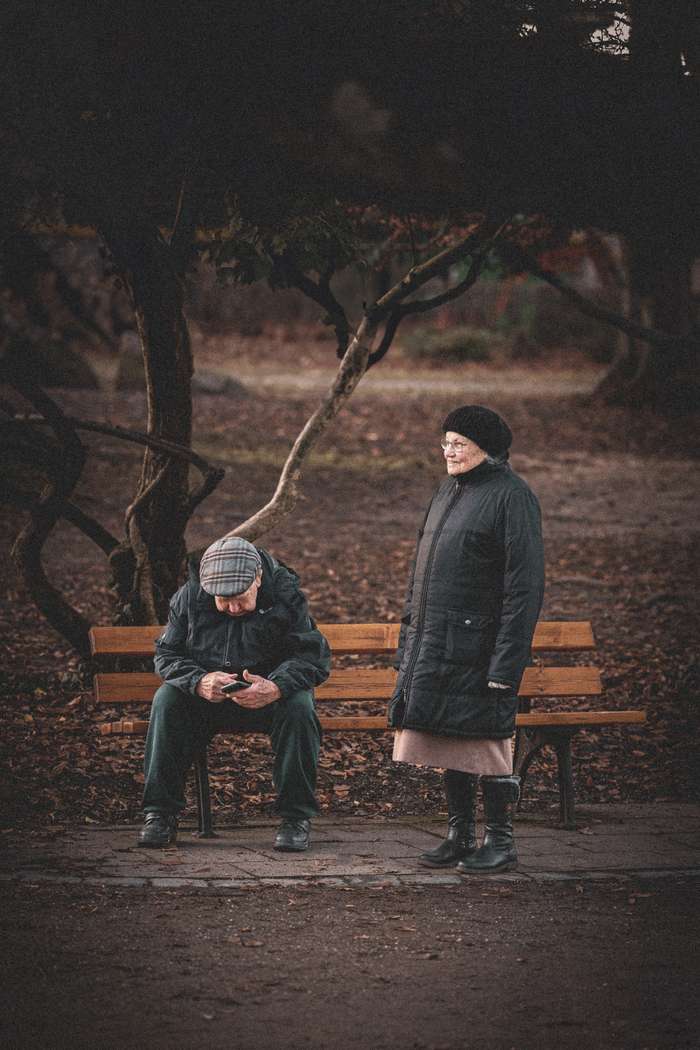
[229,567]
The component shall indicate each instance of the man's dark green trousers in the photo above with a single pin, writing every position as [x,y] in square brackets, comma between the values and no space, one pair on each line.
[181,723]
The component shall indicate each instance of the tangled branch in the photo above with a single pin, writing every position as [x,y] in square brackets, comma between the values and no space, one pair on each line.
[355,361]
[515,255]
[46,511]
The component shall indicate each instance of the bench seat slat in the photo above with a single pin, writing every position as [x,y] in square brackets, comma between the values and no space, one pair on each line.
[550,636]
[364,684]
[541,719]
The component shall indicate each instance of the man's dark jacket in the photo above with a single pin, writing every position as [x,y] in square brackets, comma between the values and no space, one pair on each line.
[279,640]
[472,606]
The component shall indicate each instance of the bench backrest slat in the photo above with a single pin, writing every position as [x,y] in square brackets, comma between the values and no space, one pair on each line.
[550,636]
[364,684]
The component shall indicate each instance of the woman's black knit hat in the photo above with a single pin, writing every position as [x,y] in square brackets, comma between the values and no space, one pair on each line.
[481,425]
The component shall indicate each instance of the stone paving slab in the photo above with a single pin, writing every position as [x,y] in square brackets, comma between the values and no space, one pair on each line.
[610,842]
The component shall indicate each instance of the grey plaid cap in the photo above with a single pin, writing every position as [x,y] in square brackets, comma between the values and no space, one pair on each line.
[228,567]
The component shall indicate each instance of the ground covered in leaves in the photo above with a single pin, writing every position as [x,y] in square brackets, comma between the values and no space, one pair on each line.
[619,499]
[427,968]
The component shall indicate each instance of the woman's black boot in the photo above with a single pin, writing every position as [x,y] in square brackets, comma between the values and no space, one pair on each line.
[497,852]
[460,789]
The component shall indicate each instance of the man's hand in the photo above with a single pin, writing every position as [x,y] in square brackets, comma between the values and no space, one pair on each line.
[260,693]
[209,687]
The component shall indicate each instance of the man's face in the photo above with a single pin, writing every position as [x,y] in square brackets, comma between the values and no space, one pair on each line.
[239,604]
[461,454]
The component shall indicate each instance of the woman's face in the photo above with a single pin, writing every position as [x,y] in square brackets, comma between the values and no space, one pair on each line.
[461,454]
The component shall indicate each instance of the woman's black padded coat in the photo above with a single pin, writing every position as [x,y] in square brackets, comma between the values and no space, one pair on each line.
[472,606]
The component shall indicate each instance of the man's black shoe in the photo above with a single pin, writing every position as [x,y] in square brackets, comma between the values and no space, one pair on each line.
[293,836]
[159,829]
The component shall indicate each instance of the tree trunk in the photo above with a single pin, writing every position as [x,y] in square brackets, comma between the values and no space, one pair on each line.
[659,272]
[659,297]
[157,517]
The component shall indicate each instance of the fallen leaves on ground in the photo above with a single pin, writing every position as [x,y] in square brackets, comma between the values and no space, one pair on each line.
[351,540]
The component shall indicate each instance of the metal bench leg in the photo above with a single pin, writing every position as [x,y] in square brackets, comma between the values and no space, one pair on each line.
[527,746]
[201,779]
[566,783]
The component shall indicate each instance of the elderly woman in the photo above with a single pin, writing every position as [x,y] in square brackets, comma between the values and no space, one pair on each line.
[473,599]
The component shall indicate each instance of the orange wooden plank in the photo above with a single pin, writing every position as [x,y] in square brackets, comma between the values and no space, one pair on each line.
[343,684]
[363,684]
[550,635]
[139,727]
[123,641]
[580,718]
[378,684]
[129,727]
[128,687]
[561,681]
[361,637]
[353,723]
[563,635]
[342,638]
[357,683]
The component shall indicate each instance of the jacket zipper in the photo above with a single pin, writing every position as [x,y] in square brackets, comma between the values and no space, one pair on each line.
[227,648]
[424,593]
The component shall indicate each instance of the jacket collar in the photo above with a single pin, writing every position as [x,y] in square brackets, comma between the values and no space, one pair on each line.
[266,593]
[482,472]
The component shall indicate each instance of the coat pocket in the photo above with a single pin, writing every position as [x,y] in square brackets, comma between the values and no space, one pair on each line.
[485,716]
[469,638]
[504,709]
[397,710]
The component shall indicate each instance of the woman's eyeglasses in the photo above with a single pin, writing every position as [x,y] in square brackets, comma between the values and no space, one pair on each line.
[456,446]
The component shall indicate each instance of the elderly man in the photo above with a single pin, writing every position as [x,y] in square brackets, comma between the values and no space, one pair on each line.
[240,652]
[473,600]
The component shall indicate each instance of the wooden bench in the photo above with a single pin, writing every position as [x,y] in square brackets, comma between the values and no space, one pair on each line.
[535,729]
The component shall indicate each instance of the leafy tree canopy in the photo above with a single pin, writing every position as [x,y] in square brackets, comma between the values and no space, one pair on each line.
[582,110]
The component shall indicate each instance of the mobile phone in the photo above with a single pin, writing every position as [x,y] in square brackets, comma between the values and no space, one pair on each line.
[235,687]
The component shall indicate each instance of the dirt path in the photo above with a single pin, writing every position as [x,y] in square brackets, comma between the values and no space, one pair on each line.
[494,967]
[472,381]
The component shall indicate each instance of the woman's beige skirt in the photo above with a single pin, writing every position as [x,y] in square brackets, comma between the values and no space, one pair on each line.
[490,758]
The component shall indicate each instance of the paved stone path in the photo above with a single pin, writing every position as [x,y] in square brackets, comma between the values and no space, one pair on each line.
[610,842]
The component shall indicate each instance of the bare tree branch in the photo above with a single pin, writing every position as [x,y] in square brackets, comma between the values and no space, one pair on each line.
[351,369]
[27,548]
[423,305]
[144,494]
[136,436]
[211,476]
[207,485]
[513,253]
[321,293]
[390,330]
[183,236]
[178,211]
[52,459]
[419,306]
[438,264]
[286,495]
[88,525]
